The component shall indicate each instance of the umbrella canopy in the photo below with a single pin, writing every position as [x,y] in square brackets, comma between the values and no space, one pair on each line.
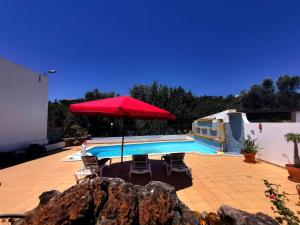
[121,107]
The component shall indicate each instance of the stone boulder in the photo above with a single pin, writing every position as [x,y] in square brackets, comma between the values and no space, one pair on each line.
[110,201]
[121,206]
[47,196]
[74,206]
[232,216]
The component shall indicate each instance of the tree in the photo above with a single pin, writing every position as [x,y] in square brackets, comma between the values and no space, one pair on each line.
[98,125]
[253,98]
[265,95]
[260,96]
[288,96]
[268,94]
[157,95]
[74,130]
[287,84]
[96,94]
[183,104]
[140,92]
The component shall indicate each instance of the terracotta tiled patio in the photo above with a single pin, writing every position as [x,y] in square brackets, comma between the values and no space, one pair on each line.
[216,180]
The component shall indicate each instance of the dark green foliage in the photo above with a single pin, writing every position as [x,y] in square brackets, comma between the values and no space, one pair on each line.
[288,92]
[96,94]
[287,84]
[266,96]
[97,125]
[73,133]
[260,96]
[182,103]
[74,130]
[60,116]
[250,145]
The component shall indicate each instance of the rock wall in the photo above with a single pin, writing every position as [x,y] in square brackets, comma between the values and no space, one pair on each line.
[112,201]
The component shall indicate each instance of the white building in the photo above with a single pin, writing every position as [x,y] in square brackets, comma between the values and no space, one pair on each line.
[23,107]
[269,135]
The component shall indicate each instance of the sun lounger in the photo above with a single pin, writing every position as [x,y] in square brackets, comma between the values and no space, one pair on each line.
[140,165]
[174,163]
[92,166]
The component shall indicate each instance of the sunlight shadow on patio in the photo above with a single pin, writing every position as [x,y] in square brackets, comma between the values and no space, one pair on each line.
[177,180]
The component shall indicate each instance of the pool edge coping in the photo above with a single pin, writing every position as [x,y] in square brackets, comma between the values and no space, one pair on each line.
[218,152]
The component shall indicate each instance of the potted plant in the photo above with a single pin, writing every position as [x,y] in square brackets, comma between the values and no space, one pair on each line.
[294,169]
[249,149]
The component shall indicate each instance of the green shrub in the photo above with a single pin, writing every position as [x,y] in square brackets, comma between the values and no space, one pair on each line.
[74,134]
[249,145]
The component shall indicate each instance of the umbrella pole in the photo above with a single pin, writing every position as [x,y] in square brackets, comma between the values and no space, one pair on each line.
[122,146]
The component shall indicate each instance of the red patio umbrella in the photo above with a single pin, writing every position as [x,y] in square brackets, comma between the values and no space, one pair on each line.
[121,107]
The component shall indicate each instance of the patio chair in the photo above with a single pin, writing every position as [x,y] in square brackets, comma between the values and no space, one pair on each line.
[92,166]
[140,165]
[174,163]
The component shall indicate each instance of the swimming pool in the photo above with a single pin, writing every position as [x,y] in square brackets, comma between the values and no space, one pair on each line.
[151,148]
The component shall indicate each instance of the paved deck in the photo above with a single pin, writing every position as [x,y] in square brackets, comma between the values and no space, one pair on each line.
[216,180]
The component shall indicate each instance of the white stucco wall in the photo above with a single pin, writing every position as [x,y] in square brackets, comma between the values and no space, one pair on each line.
[23,107]
[272,141]
[222,115]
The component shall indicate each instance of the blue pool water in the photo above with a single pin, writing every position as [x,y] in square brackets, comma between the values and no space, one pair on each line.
[152,148]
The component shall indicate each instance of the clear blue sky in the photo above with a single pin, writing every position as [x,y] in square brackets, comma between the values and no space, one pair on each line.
[210,47]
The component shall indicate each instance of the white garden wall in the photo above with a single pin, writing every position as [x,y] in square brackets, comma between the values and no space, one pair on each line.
[222,115]
[272,140]
[23,107]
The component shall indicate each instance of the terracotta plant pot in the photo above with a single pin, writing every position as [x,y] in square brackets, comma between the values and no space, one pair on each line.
[250,157]
[294,172]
